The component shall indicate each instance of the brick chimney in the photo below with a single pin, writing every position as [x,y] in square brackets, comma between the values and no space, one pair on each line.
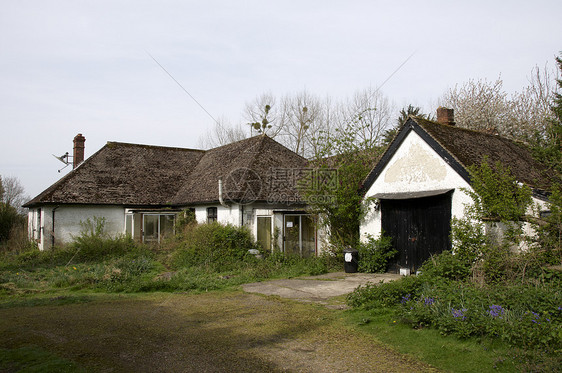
[445,116]
[78,156]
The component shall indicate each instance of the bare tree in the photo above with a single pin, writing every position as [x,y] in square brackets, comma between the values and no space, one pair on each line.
[263,110]
[302,118]
[373,112]
[301,121]
[223,133]
[14,193]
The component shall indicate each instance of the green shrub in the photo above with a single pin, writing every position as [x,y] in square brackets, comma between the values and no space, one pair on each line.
[385,295]
[526,315]
[94,243]
[220,246]
[468,239]
[447,266]
[375,254]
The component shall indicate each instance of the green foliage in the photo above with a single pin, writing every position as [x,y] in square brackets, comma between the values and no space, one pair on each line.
[372,296]
[526,315]
[497,195]
[220,246]
[9,220]
[447,266]
[94,243]
[468,239]
[376,254]
[185,218]
[550,231]
[340,205]
[411,110]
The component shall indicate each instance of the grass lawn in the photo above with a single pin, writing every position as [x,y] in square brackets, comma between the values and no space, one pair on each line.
[446,352]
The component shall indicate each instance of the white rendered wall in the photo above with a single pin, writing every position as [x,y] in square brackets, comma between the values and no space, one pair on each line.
[415,167]
[225,215]
[68,221]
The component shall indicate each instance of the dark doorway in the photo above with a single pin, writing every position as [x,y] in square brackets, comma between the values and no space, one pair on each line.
[419,227]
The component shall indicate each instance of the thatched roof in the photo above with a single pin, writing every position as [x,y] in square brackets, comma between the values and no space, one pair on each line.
[144,175]
[462,148]
[247,169]
[121,173]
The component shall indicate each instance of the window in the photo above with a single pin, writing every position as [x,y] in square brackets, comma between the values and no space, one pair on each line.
[157,226]
[264,232]
[299,235]
[129,224]
[211,214]
[37,233]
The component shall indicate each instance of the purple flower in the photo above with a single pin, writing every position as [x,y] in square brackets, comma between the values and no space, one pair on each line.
[428,301]
[458,314]
[536,318]
[405,298]
[496,311]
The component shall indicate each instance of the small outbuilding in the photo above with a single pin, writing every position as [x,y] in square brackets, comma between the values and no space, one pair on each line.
[418,184]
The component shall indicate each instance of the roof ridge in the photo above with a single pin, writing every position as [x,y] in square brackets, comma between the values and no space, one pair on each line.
[235,142]
[113,143]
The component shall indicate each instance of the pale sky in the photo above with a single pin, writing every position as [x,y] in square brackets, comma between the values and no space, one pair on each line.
[69,67]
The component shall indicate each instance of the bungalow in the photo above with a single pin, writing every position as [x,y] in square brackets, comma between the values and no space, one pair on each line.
[418,183]
[140,190]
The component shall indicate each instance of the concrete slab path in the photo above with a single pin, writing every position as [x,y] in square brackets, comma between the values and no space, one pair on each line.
[319,289]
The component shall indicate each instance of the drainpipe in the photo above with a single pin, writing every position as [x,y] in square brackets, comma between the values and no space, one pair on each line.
[220,194]
[53,228]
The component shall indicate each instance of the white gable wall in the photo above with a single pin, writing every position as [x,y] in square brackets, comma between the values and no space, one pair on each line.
[415,167]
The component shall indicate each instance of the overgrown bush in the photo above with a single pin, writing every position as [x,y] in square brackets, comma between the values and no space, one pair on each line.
[11,222]
[373,296]
[94,243]
[217,245]
[376,254]
[447,266]
[550,230]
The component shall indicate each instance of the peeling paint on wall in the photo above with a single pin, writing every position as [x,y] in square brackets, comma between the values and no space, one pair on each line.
[417,166]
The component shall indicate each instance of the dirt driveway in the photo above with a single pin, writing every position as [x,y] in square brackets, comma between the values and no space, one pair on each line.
[214,332]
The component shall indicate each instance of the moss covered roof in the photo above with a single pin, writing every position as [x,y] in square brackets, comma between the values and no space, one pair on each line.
[463,148]
[145,175]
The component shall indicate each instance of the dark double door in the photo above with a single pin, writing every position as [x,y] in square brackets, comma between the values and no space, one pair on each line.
[419,228]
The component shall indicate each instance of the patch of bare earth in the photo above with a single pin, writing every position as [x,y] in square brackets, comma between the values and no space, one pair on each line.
[218,332]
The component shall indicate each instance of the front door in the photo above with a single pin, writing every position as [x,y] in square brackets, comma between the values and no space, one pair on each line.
[419,227]
[299,235]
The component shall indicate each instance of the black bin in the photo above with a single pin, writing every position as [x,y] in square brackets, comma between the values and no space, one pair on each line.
[350,260]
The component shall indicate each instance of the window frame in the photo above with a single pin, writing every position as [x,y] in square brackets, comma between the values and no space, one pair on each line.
[212,215]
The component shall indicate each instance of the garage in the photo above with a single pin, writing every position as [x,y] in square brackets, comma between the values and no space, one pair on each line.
[419,224]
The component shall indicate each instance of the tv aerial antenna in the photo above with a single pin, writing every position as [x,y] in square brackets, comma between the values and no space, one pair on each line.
[65,158]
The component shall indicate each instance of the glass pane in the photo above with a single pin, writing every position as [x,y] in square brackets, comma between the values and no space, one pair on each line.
[166,226]
[308,236]
[129,224]
[137,220]
[150,228]
[292,234]
[264,232]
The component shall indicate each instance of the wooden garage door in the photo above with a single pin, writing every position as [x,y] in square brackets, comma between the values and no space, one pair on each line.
[419,227]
